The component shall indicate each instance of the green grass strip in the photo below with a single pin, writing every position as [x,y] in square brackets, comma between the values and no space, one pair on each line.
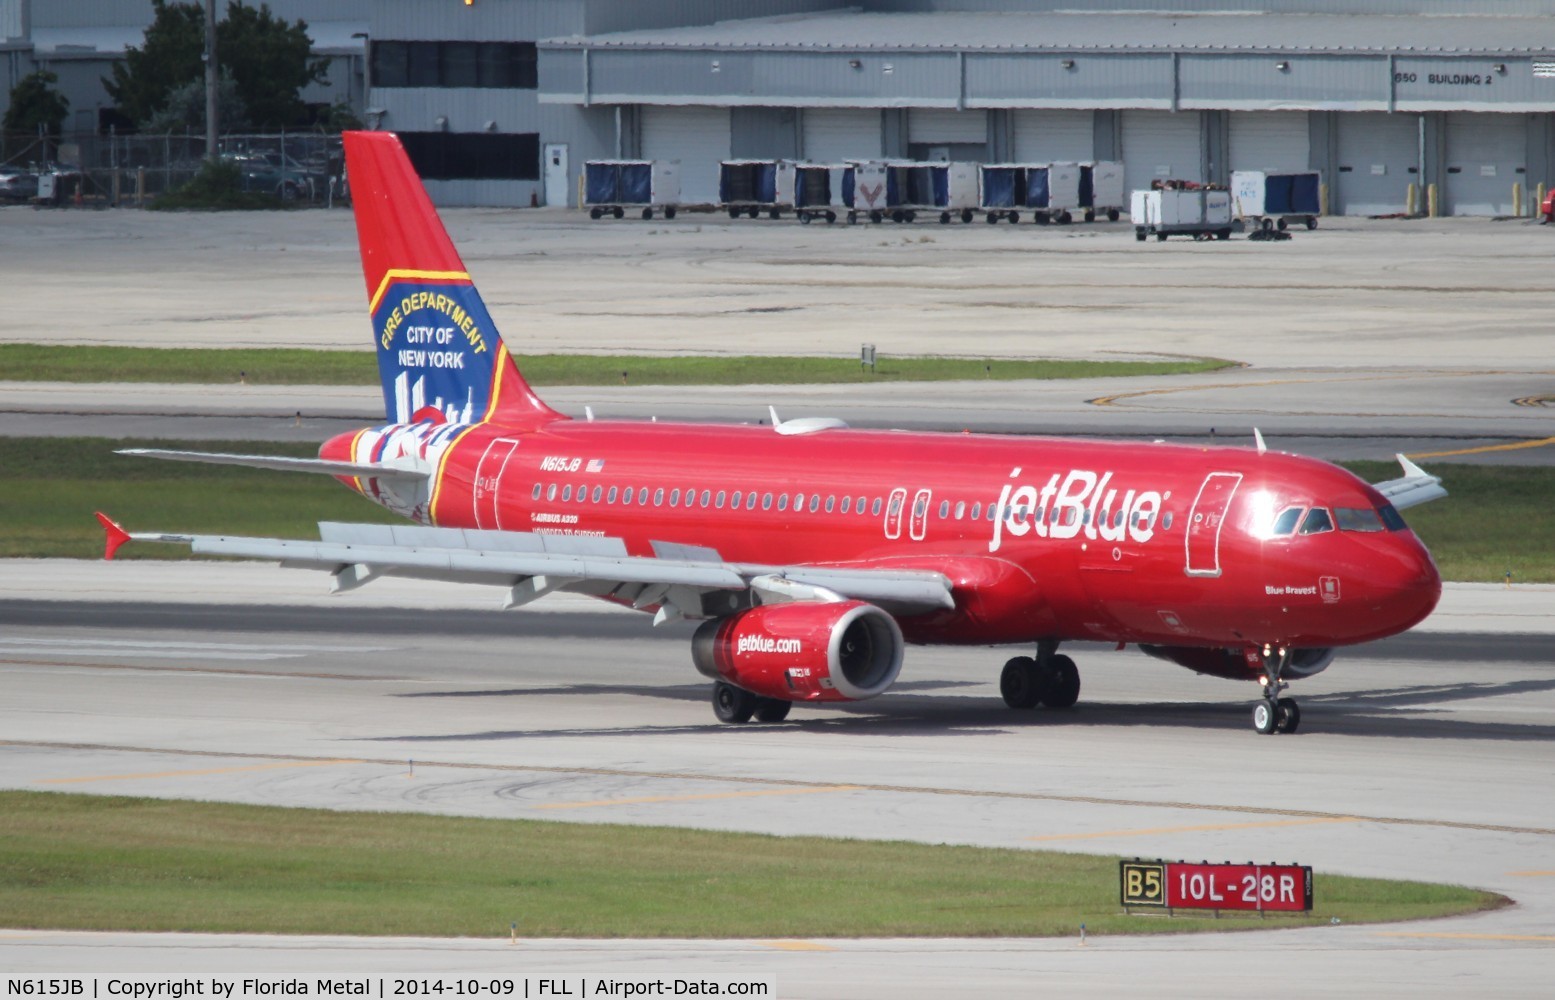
[1495,520]
[109,863]
[52,363]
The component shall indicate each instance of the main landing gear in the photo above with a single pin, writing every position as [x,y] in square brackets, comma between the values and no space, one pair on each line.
[733,704]
[1049,678]
[1275,714]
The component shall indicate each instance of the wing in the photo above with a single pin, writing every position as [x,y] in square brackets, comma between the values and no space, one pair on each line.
[368,470]
[679,581]
[1415,486]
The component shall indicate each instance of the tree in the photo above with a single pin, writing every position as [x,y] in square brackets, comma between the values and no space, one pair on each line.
[266,58]
[185,108]
[35,103]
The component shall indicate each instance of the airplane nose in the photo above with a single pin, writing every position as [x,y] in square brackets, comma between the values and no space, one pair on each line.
[1417,586]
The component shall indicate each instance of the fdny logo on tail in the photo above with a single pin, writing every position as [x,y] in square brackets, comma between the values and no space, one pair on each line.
[434,347]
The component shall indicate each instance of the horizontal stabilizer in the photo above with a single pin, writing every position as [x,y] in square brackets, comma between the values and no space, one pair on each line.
[1415,486]
[365,470]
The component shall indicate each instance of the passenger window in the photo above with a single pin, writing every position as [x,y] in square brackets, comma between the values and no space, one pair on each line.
[766,501]
[626,497]
[944,509]
[920,506]
[847,504]
[831,504]
[536,494]
[1357,519]
[977,511]
[642,497]
[750,500]
[1166,522]
[782,501]
[566,493]
[860,505]
[707,498]
[874,508]
[674,498]
[1285,523]
[815,502]
[583,493]
[611,496]
[598,490]
[798,502]
[719,500]
[960,509]
[896,505]
[658,497]
[550,492]
[1317,521]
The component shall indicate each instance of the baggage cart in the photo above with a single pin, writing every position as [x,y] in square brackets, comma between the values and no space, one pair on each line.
[611,187]
[1198,212]
[1269,199]
[756,186]
[1002,190]
[954,189]
[1101,189]
[818,190]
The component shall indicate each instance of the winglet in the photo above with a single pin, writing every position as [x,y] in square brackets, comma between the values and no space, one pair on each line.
[1411,470]
[117,536]
[1258,439]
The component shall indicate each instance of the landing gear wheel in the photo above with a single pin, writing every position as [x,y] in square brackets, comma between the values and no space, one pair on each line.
[772,709]
[1064,689]
[1021,683]
[1288,715]
[1265,716]
[732,704]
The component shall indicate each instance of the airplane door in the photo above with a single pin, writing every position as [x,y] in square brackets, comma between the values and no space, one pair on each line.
[893,513]
[488,482]
[1205,521]
[920,515]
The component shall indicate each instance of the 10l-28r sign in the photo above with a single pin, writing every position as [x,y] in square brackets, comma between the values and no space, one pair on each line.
[1174,885]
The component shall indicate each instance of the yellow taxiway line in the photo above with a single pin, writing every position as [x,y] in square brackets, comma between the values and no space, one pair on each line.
[1199,828]
[191,773]
[639,800]
[798,945]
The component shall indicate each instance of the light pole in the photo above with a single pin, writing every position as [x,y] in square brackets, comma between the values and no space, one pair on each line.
[212,76]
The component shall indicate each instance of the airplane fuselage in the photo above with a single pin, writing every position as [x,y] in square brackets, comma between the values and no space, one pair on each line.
[1044,538]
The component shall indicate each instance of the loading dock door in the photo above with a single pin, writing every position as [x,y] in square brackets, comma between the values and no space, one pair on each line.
[698,138]
[832,135]
[1379,154]
[1486,154]
[1269,140]
[1056,136]
[1161,144]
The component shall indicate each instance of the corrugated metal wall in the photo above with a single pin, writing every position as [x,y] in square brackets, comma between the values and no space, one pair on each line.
[1269,140]
[1158,145]
[1376,153]
[1486,155]
[1054,136]
[832,135]
[698,138]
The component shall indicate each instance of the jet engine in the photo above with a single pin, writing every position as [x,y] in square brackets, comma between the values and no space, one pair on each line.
[803,651]
[1240,665]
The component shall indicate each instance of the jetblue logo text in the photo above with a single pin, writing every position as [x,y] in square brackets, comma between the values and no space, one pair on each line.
[767,644]
[1073,504]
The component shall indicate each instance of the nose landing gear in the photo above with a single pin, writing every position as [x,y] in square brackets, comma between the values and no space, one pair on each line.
[1275,714]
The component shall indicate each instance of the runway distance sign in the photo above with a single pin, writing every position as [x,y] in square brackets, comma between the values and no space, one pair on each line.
[1173,885]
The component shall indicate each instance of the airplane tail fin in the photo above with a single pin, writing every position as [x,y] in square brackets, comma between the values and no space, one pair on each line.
[439,354]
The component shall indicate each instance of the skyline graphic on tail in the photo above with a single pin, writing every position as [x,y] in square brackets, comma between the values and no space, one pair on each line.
[440,357]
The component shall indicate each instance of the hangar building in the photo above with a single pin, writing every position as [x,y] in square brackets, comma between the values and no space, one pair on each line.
[1376,94]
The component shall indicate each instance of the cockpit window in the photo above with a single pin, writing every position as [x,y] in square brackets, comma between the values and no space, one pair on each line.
[1391,517]
[1286,522]
[1317,520]
[1358,519]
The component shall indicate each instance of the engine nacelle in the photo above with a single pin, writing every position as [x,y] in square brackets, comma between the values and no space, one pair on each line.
[804,651]
[1240,665]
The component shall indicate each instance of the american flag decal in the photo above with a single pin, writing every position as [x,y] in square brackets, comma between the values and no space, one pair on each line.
[595,465]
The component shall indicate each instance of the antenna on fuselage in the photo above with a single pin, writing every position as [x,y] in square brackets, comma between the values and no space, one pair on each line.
[1258,438]
[588,411]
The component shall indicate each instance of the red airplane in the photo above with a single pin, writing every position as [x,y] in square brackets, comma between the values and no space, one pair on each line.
[814,552]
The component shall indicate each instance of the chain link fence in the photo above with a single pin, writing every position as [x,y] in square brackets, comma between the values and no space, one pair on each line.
[303,167]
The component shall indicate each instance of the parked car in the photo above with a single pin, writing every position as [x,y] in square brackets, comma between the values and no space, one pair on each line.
[18,185]
[283,177]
